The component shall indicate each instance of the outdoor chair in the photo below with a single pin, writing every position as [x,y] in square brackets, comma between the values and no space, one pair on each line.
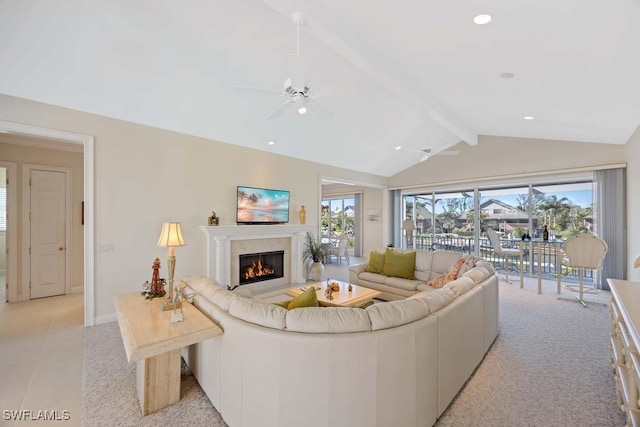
[583,252]
[506,253]
[341,250]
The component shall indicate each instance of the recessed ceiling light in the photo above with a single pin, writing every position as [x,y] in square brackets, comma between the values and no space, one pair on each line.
[507,75]
[528,117]
[399,147]
[302,110]
[482,19]
[271,142]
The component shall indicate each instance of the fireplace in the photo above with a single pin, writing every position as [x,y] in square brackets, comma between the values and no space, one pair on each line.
[226,242]
[261,266]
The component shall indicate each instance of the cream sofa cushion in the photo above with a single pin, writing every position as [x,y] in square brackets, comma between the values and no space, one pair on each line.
[210,289]
[443,260]
[397,282]
[439,299]
[423,276]
[478,274]
[372,277]
[258,312]
[423,260]
[395,313]
[486,264]
[317,320]
[461,285]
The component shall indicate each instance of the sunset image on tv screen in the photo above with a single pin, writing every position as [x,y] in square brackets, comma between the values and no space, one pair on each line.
[258,205]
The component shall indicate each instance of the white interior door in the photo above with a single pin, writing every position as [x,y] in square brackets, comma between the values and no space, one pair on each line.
[48,232]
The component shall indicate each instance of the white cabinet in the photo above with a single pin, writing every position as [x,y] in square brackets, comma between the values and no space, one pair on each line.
[625,342]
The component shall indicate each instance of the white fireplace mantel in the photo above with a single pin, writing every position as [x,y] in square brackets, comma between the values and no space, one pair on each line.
[219,246]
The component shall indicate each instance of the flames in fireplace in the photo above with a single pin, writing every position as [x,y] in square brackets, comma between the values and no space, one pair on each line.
[258,269]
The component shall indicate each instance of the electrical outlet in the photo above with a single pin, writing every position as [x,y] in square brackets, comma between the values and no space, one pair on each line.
[106,247]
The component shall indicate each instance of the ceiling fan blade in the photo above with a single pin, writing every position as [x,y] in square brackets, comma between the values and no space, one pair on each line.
[425,157]
[255,89]
[296,71]
[318,109]
[336,89]
[279,110]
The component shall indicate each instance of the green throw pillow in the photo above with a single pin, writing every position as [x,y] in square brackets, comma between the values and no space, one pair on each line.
[283,304]
[306,299]
[399,265]
[376,262]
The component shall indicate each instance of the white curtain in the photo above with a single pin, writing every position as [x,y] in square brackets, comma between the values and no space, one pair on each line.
[610,205]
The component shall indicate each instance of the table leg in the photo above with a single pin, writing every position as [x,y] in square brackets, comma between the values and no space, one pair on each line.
[158,381]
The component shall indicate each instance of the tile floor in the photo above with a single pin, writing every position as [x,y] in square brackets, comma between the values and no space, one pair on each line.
[41,356]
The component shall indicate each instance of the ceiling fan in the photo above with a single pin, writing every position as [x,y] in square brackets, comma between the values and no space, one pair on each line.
[437,151]
[296,90]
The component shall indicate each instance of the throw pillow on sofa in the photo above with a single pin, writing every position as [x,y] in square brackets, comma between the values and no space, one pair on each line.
[447,277]
[376,262]
[306,299]
[399,264]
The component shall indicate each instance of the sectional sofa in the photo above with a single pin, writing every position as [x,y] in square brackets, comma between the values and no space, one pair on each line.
[393,363]
[429,265]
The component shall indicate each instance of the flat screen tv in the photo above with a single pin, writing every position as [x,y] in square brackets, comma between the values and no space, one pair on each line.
[262,206]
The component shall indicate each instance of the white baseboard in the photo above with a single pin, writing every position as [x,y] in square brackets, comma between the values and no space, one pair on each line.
[107,318]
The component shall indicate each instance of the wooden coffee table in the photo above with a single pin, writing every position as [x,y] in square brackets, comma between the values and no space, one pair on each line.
[342,298]
[151,340]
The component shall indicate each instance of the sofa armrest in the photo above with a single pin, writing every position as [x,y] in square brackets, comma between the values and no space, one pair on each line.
[357,268]
[354,272]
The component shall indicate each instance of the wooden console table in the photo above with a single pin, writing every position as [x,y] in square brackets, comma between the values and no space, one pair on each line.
[153,342]
[625,342]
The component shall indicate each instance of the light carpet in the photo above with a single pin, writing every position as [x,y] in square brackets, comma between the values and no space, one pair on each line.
[549,366]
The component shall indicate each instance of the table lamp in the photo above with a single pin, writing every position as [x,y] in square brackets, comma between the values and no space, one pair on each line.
[408,226]
[171,236]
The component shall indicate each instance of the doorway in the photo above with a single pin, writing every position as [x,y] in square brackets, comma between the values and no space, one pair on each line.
[48,229]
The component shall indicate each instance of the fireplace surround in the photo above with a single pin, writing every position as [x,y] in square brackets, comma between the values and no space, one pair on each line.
[225,243]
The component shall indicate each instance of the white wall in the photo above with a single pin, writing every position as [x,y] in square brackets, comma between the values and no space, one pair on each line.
[633,204]
[145,176]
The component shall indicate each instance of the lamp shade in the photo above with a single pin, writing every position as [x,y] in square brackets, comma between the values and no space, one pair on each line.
[636,263]
[171,235]
[408,225]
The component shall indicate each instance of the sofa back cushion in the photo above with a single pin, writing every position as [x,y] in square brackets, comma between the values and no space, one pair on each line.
[211,290]
[258,312]
[395,313]
[399,264]
[443,260]
[328,320]
[438,299]
[424,260]
[461,285]
[478,274]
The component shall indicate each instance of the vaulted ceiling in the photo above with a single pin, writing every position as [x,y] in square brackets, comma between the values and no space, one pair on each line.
[408,73]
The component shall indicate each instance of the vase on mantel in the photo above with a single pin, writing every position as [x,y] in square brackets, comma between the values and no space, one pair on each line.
[303,215]
[317,271]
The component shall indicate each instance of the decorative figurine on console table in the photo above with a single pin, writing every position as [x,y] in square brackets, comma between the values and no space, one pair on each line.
[155,289]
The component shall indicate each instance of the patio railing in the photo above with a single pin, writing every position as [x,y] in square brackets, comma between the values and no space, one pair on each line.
[548,257]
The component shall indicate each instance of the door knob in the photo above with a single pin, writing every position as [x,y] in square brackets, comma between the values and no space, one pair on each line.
[61,248]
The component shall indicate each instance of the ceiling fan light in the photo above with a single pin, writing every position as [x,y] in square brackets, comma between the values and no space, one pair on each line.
[302,110]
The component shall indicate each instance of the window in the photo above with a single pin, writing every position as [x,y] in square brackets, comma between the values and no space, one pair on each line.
[337,217]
